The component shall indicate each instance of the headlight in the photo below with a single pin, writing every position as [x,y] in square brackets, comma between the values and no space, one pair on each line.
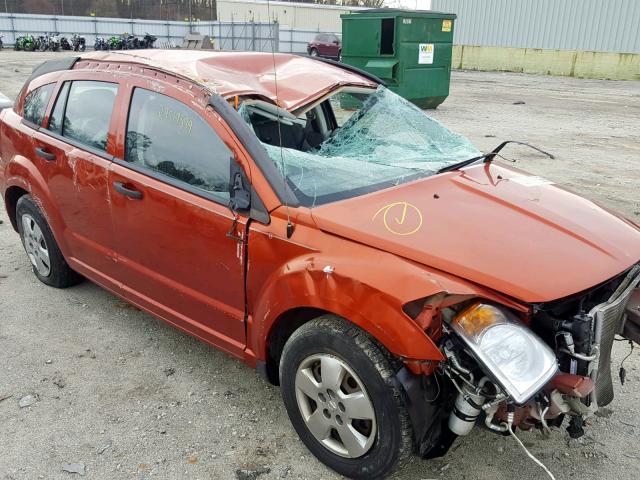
[518,360]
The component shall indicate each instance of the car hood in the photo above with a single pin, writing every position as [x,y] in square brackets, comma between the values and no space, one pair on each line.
[499,227]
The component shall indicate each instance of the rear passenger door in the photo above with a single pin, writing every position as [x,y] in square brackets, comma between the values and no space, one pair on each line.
[174,231]
[74,146]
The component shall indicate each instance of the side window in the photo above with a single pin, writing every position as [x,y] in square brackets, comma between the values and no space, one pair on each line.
[35,104]
[55,119]
[88,112]
[165,135]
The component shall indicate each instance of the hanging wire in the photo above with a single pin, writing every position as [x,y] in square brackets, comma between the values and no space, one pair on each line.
[275,81]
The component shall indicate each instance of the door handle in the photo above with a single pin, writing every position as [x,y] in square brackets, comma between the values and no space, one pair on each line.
[126,191]
[41,152]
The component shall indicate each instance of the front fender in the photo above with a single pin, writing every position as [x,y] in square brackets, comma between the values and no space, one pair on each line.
[363,285]
[379,312]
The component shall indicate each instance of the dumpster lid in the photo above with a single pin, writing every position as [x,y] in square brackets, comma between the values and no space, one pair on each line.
[401,11]
[381,67]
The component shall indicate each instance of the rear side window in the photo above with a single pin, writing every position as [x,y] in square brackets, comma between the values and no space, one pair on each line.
[88,112]
[35,104]
[82,112]
[166,136]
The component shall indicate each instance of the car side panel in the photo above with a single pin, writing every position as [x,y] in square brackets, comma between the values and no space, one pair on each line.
[174,255]
[23,169]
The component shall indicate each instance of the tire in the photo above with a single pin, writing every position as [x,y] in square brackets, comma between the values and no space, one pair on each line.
[35,233]
[384,444]
[313,52]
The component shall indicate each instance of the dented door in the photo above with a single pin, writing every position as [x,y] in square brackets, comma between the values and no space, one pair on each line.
[73,149]
[78,182]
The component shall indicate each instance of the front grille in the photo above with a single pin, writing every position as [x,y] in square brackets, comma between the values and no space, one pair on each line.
[608,318]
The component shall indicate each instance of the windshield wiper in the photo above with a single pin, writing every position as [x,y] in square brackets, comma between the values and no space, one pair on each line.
[487,157]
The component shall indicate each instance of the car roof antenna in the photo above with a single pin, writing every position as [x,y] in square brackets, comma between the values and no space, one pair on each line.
[290,227]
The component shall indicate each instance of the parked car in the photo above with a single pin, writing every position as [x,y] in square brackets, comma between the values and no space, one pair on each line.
[325,45]
[399,286]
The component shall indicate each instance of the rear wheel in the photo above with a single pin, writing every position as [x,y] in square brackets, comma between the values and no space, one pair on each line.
[340,391]
[44,254]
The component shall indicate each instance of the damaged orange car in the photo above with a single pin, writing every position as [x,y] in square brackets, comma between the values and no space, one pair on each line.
[400,286]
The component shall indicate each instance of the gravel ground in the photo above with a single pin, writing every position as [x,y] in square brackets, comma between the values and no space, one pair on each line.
[129,397]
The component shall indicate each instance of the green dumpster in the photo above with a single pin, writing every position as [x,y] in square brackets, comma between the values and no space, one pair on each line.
[409,49]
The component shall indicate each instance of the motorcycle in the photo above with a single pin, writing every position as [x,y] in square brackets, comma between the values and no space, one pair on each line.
[100,44]
[148,40]
[115,43]
[78,42]
[65,44]
[130,42]
[53,41]
[41,43]
[25,43]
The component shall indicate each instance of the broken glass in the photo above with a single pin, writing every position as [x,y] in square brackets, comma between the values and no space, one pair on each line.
[386,142]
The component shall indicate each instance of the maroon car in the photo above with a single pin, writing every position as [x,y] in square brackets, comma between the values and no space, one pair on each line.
[325,45]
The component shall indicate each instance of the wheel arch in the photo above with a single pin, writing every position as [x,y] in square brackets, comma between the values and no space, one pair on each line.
[281,330]
[289,301]
[11,197]
[23,177]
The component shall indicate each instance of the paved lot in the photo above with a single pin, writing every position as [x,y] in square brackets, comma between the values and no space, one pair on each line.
[130,397]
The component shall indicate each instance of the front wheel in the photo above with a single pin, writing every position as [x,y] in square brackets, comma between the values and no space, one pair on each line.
[341,394]
[313,52]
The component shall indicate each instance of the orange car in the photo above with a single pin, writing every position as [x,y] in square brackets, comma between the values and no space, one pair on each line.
[399,285]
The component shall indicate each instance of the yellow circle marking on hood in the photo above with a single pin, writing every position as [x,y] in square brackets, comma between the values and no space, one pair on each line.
[400,218]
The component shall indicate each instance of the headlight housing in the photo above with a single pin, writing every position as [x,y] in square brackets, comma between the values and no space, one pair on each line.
[518,360]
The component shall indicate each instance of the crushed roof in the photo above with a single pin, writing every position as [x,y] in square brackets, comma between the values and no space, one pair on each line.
[299,79]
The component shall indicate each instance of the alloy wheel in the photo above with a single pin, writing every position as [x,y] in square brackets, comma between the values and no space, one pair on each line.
[335,405]
[35,245]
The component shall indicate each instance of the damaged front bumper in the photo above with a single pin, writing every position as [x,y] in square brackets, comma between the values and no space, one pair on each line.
[450,402]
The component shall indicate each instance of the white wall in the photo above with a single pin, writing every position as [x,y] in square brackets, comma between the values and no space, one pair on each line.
[295,15]
[409,4]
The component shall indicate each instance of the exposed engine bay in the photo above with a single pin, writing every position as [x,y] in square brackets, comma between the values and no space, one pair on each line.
[503,372]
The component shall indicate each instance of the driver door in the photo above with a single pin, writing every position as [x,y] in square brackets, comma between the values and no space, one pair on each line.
[170,196]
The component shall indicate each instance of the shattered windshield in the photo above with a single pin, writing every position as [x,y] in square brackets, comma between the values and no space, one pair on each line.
[355,144]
